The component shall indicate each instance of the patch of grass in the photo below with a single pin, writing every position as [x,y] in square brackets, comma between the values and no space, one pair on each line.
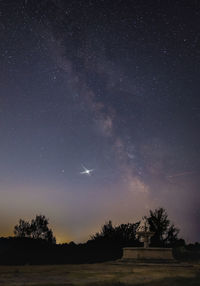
[102,274]
[104,283]
[68,284]
[176,281]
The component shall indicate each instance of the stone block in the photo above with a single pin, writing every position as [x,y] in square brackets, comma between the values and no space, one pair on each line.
[150,253]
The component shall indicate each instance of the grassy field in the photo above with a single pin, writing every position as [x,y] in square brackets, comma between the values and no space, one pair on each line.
[102,274]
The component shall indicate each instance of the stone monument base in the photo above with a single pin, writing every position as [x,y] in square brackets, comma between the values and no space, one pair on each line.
[148,254]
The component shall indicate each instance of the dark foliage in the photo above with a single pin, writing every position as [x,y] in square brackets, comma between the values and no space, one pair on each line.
[33,243]
[166,234]
[190,252]
[103,246]
[111,239]
[36,229]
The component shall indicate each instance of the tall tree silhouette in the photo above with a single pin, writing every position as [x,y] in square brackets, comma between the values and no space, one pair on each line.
[165,232]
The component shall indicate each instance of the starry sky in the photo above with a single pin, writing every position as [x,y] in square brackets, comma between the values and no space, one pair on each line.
[112,85]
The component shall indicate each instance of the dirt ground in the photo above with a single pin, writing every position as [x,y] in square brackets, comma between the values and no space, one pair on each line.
[107,274]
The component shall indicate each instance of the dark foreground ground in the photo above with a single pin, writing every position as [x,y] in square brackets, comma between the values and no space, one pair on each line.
[106,274]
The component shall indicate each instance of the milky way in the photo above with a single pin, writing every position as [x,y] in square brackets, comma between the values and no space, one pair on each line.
[110,85]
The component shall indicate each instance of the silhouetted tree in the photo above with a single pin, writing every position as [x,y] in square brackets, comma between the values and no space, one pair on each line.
[172,235]
[37,229]
[107,231]
[165,232]
[121,234]
[23,229]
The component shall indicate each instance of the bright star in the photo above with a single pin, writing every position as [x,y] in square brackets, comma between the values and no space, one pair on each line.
[86,171]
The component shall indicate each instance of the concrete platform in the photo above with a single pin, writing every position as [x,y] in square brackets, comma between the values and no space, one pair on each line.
[148,254]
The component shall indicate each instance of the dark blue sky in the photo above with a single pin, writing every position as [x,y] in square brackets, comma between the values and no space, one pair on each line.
[112,85]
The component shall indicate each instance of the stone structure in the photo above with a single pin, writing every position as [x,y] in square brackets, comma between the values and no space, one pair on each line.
[146,253]
[143,232]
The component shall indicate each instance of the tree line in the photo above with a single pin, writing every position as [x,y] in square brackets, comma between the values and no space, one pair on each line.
[165,233]
[34,242]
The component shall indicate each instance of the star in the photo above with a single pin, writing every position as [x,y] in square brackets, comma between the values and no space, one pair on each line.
[86,171]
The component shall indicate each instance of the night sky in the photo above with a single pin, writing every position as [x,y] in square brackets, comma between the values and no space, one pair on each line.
[112,85]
